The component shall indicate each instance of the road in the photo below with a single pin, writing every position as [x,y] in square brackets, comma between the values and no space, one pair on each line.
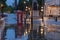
[10,35]
[10,32]
[52,29]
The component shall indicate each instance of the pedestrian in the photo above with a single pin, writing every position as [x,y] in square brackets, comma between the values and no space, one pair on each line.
[56,19]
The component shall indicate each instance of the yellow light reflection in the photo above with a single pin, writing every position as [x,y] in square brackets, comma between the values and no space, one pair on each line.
[26,32]
[42,31]
[41,9]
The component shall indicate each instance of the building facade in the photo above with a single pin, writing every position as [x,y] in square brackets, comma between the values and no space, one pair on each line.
[52,29]
[52,7]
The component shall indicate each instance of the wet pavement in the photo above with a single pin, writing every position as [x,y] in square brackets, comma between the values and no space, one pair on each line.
[10,35]
[52,29]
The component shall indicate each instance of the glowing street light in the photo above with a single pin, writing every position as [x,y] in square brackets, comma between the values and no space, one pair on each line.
[2,5]
[29,8]
[24,2]
[42,10]
[26,7]
[42,31]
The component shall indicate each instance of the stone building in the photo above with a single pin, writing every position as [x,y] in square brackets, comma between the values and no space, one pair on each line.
[52,7]
[52,29]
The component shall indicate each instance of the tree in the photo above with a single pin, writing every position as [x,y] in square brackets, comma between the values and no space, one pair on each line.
[8,8]
[5,7]
[21,5]
[2,4]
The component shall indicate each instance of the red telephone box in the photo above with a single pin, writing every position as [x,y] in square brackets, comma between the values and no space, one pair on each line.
[19,28]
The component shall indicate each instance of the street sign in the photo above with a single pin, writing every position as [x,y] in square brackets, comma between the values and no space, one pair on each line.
[19,28]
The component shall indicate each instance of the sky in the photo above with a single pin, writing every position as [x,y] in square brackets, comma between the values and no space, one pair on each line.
[52,2]
[10,2]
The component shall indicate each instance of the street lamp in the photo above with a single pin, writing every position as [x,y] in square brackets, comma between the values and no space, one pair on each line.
[42,21]
[24,2]
[41,10]
[42,30]
[26,7]
[25,11]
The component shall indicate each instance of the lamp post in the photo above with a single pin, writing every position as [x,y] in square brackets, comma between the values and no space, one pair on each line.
[25,9]
[42,10]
